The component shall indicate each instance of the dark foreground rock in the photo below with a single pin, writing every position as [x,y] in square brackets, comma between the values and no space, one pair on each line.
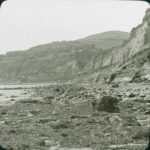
[108,104]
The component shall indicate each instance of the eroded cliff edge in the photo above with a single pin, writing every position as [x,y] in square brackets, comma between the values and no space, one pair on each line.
[138,43]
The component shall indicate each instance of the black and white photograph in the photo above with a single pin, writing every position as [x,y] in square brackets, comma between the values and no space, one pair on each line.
[74,75]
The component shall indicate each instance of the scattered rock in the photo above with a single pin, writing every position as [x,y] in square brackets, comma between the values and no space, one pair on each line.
[115,85]
[128,147]
[115,120]
[44,120]
[59,125]
[13,96]
[147,112]
[131,95]
[144,120]
[85,118]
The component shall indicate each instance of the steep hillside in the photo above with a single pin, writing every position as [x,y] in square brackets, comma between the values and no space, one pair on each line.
[81,60]
[57,61]
[107,40]
[135,55]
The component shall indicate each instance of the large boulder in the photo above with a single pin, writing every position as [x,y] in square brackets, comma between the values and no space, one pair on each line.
[107,104]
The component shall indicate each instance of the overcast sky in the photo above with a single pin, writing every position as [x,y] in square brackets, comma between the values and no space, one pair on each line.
[27,23]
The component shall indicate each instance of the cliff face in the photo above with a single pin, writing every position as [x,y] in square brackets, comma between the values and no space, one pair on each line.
[139,39]
[85,59]
[134,56]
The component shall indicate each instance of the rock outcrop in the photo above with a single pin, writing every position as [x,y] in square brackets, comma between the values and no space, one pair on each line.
[138,41]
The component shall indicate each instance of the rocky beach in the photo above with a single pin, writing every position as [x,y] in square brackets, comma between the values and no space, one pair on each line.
[78,117]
